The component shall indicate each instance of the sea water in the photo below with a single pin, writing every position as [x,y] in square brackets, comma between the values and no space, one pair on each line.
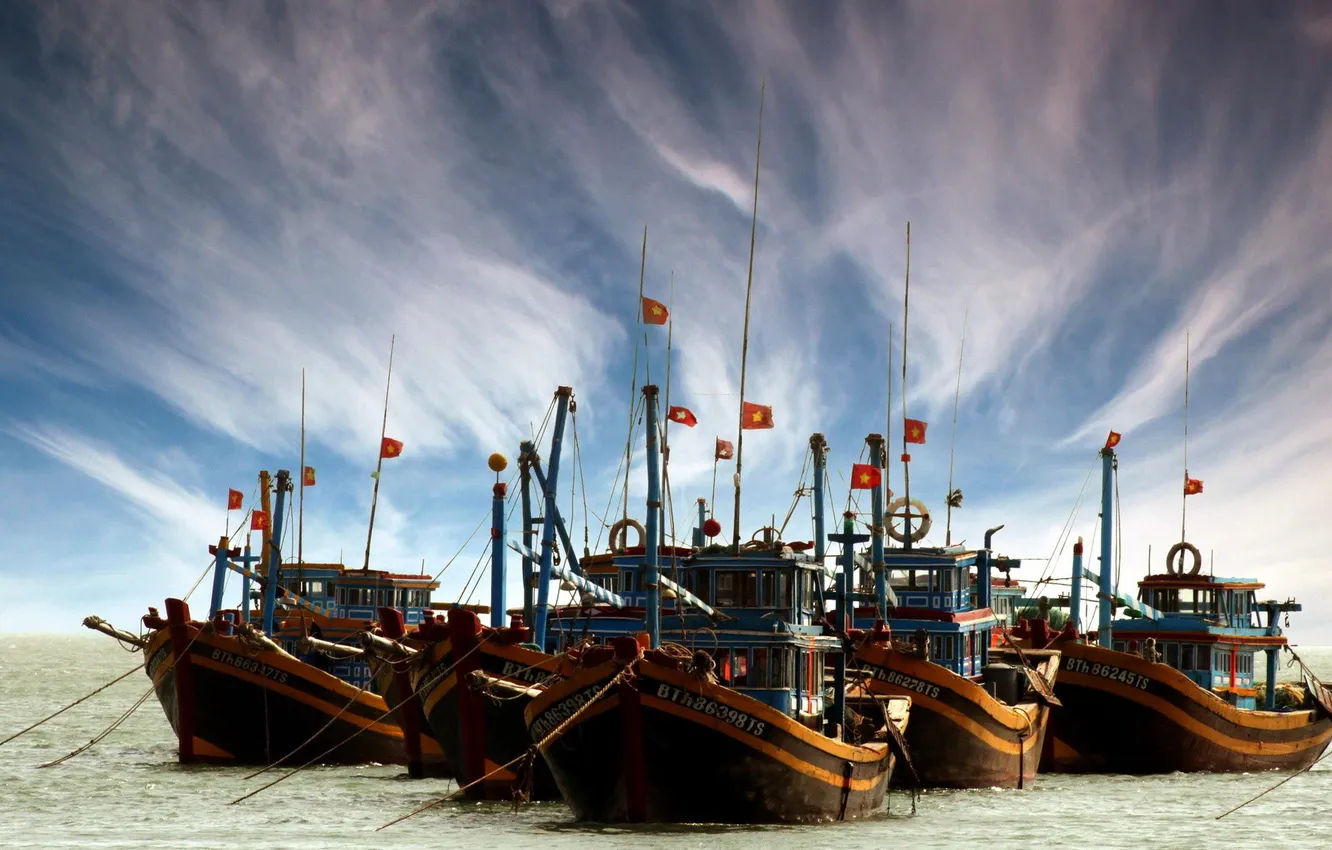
[128,791]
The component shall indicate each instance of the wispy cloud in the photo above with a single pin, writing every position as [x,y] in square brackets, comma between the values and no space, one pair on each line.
[201,200]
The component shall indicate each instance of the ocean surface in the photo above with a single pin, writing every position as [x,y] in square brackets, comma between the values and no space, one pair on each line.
[128,791]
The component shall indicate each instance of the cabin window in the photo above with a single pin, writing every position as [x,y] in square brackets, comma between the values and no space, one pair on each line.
[726,589]
[769,588]
[781,668]
[1186,657]
[748,590]
[783,588]
[946,581]
[1119,646]
[911,580]
[740,668]
[758,678]
[1172,655]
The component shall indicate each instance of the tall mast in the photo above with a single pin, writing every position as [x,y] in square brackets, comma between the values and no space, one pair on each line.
[744,345]
[1184,506]
[666,424]
[633,382]
[379,466]
[906,466]
[888,428]
[952,444]
[300,515]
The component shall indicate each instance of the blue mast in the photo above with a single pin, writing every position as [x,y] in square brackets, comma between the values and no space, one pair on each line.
[247,559]
[875,443]
[222,553]
[526,451]
[699,539]
[562,396]
[842,616]
[498,535]
[1103,637]
[1075,597]
[650,531]
[275,551]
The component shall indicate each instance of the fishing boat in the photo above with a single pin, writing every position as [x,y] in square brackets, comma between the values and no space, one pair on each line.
[234,694]
[1172,686]
[978,719]
[618,727]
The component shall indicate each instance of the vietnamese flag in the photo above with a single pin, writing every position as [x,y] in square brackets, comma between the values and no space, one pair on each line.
[1112,440]
[308,477]
[390,447]
[755,416]
[259,521]
[865,477]
[1192,486]
[725,449]
[683,416]
[654,312]
[915,431]
[235,500]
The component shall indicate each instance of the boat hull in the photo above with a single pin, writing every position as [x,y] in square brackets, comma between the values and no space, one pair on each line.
[233,703]
[1123,714]
[425,758]
[663,747]
[959,736]
[480,735]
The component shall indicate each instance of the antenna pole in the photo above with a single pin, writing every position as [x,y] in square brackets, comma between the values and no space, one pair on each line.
[1184,506]
[744,345]
[666,425]
[906,465]
[633,381]
[888,430]
[379,466]
[952,445]
[300,513]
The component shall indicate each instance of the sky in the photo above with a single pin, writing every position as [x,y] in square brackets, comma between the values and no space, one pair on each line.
[199,201]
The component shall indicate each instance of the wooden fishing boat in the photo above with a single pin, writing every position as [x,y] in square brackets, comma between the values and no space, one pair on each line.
[239,698]
[237,693]
[1173,688]
[977,721]
[619,729]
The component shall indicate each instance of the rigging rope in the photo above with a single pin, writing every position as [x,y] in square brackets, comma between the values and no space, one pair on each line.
[72,704]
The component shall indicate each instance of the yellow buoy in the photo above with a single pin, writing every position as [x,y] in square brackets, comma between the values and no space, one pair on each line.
[498,462]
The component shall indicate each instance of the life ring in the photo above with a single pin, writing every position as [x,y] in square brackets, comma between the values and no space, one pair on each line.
[922,516]
[619,531]
[1179,549]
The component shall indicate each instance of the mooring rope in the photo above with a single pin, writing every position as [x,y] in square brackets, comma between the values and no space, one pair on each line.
[1276,786]
[394,708]
[554,733]
[321,731]
[71,705]
[107,731]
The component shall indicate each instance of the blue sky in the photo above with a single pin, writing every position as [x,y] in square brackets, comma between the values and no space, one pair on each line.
[198,201]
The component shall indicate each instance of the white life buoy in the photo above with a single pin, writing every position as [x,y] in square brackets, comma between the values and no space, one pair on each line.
[619,531]
[920,519]
[1179,549]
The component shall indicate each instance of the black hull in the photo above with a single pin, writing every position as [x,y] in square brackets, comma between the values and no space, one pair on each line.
[425,758]
[1122,714]
[649,751]
[480,735]
[959,736]
[231,704]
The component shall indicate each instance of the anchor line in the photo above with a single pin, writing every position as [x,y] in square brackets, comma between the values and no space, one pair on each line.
[119,720]
[554,733]
[415,693]
[71,705]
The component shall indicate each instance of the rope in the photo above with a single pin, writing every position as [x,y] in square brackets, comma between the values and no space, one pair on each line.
[107,731]
[1276,786]
[71,705]
[277,763]
[554,733]
[400,704]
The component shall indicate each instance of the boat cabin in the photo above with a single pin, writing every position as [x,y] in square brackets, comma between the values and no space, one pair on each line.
[930,590]
[1209,628]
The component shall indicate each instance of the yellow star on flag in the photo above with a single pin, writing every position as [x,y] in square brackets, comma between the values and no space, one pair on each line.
[758,417]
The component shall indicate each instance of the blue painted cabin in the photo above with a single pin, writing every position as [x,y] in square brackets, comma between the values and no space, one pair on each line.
[1209,628]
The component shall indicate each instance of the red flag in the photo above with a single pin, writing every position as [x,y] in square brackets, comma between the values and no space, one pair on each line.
[654,312]
[683,416]
[725,451]
[390,447]
[259,520]
[865,477]
[235,500]
[915,431]
[1192,486]
[756,416]
[308,477]
[1112,440]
